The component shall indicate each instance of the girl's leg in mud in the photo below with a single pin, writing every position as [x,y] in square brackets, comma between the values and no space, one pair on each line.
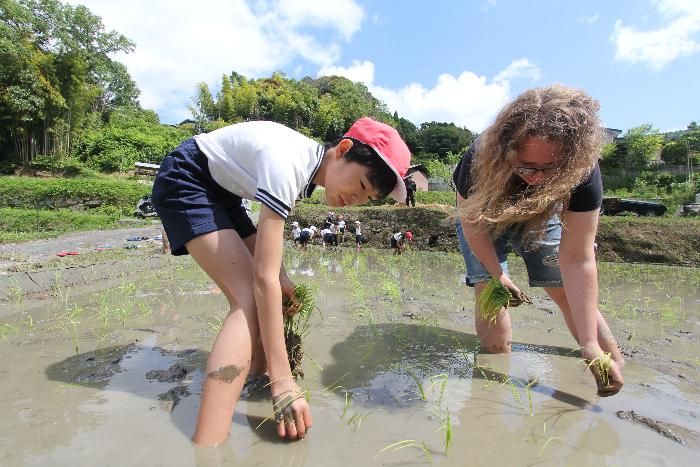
[606,340]
[494,337]
[227,260]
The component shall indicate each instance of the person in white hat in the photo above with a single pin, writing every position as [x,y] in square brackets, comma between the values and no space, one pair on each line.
[197,195]
[358,235]
[296,232]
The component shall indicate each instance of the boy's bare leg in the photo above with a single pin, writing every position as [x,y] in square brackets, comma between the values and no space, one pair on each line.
[165,241]
[227,260]
[494,337]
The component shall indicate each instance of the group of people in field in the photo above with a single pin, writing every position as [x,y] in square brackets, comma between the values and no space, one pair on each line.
[530,182]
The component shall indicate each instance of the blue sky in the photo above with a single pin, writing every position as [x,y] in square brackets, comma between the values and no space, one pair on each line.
[444,60]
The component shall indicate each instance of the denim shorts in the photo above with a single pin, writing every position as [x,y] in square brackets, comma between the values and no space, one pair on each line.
[541,257]
[190,203]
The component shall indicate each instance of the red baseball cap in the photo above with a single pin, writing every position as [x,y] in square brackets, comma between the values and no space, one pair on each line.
[387,143]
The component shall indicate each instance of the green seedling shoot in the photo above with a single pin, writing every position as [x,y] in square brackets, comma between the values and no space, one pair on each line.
[495,296]
[490,301]
[601,367]
[407,443]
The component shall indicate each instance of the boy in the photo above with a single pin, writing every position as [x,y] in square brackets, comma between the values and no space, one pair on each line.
[341,228]
[358,235]
[327,237]
[296,232]
[197,194]
[396,242]
[306,235]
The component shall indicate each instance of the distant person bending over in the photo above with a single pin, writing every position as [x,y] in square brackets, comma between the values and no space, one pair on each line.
[306,235]
[334,232]
[198,195]
[396,243]
[532,181]
[327,238]
[341,228]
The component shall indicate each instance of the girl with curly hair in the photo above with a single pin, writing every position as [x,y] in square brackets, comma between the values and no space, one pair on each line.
[531,182]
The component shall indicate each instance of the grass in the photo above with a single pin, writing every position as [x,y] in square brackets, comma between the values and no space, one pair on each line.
[19,225]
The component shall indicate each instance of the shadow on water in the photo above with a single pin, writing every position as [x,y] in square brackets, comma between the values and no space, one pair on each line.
[381,364]
[167,377]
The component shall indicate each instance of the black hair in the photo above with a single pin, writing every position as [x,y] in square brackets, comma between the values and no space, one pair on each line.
[380,175]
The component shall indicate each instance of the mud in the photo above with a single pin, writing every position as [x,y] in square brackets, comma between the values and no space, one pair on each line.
[295,353]
[226,374]
[676,433]
[392,352]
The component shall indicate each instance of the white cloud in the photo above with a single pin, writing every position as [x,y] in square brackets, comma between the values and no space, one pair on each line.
[521,68]
[358,71]
[659,47]
[178,44]
[590,19]
[467,100]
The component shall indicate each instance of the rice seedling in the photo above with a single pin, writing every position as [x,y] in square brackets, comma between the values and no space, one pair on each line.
[446,426]
[146,310]
[419,383]
[15,292]
[407,443]
[348,402]
[601,369]
[492,298]
[357,418]
[71,318]
[298,325]
[440,379]
[6,329]
[215,322]
[31,325]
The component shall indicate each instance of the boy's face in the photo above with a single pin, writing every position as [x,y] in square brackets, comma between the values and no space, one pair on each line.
[347,182]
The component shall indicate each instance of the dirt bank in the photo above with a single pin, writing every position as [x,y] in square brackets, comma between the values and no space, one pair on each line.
[620,239]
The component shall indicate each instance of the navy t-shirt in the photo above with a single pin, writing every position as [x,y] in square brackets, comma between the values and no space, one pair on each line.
[588,196]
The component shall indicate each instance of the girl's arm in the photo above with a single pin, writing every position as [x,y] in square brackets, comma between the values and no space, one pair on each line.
[580,274]
[481,245]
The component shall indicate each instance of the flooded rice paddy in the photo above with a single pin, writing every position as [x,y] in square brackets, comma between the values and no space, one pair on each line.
[112,375]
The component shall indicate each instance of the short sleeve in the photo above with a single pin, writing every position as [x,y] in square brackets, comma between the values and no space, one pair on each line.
[588,196]
[277,184]
[462,174]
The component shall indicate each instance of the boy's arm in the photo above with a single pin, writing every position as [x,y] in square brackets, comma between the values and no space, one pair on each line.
[286,283]
[268,297]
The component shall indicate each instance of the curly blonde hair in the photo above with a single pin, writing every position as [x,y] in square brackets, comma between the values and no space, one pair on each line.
[557,113]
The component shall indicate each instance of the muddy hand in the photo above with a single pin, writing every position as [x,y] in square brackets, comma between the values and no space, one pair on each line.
[518,298]
[607,374]
[292,414]
[517,295]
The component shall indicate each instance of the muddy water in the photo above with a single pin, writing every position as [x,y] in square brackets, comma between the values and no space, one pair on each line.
[113,375]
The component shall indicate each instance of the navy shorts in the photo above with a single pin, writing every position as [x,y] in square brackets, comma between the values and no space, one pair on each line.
[541,258]
[190,203]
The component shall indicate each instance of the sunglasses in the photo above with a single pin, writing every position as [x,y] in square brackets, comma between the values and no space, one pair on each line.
[533,170]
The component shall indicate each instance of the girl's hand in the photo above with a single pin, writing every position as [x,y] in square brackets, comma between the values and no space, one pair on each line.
[292,412]
[606,371]
[518,295]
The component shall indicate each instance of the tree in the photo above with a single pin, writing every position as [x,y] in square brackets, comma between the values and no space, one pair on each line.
[642,143]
